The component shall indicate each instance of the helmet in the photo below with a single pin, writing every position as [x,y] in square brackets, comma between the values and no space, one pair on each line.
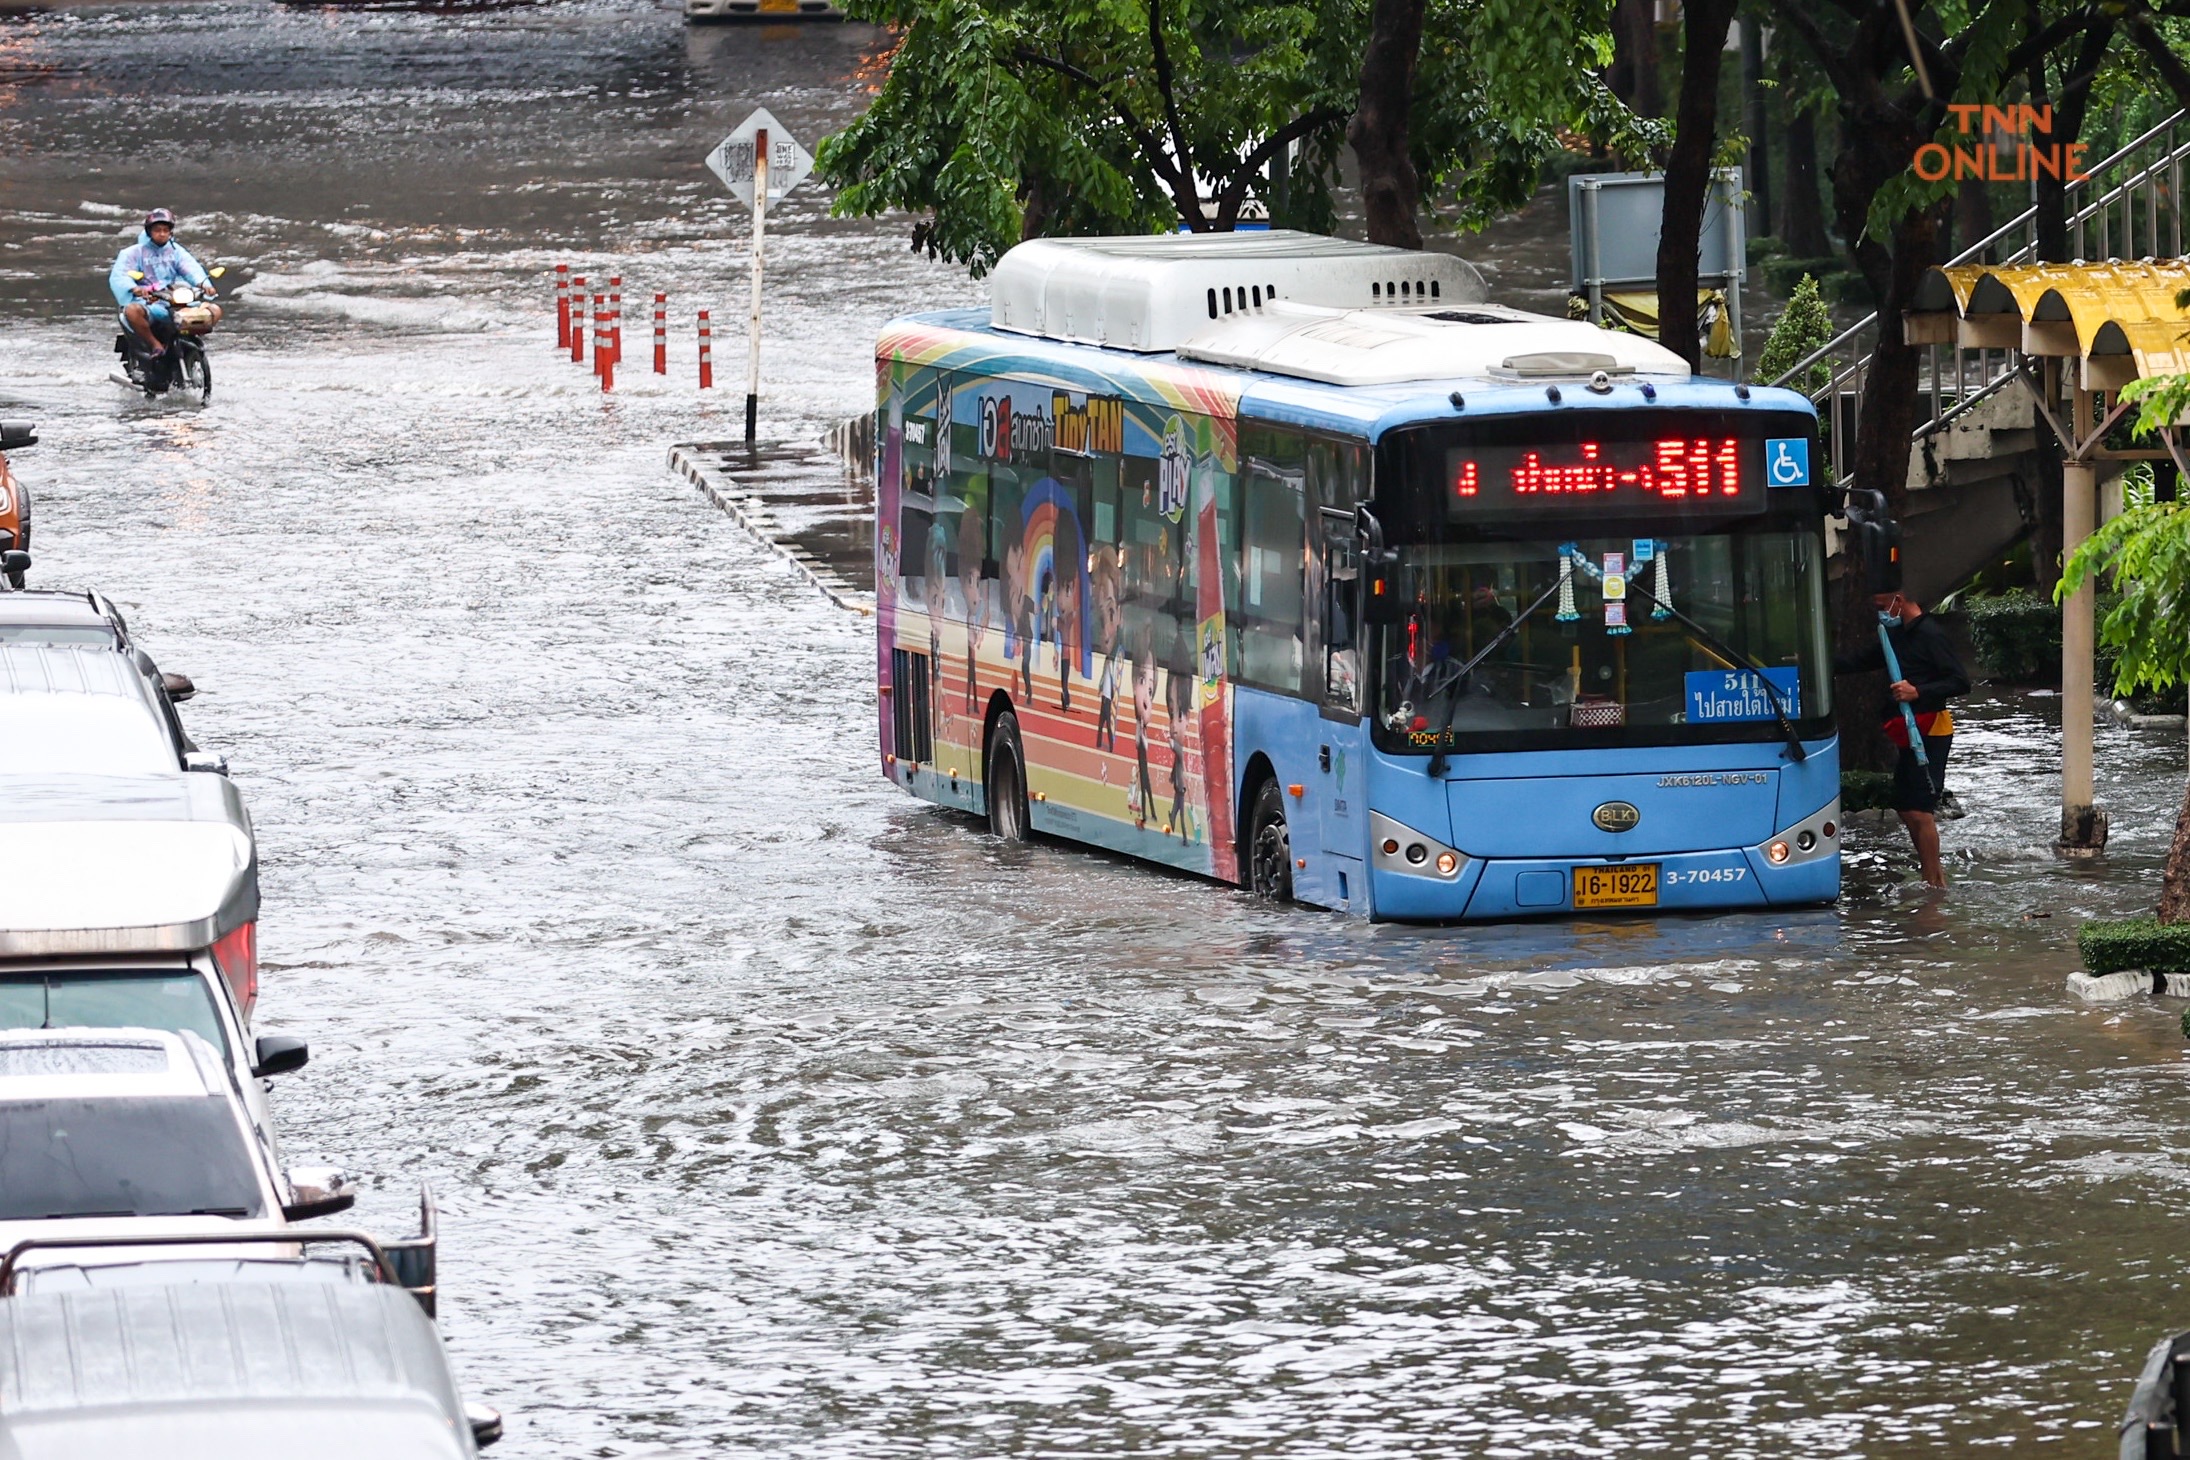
[159,215]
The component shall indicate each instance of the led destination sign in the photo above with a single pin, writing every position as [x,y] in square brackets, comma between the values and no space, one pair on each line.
[1718,475]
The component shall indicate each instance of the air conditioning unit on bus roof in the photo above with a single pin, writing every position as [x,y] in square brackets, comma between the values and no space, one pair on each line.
[1149,293]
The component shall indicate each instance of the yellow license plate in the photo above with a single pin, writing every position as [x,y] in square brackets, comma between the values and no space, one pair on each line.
[1632,885]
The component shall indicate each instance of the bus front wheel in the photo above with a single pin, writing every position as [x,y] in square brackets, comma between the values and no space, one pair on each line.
[1007,780]
[1270,846]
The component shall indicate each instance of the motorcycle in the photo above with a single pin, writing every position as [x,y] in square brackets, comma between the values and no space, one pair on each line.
[14,506]
[189,319]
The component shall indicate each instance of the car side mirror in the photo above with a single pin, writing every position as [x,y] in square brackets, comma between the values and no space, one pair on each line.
[15,435]
[317,1191]
[486,1424]
[206,761]
[278,1054]
[178,686]
[14,560]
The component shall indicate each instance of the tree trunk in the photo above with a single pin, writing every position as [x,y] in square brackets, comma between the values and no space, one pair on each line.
[1688,174]
[1753,121]
[1634,77]
[2175,885]
[1972,214]
[1801,208]
[1390,191]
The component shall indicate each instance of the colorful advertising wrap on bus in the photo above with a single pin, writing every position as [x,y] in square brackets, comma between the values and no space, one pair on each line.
[1057,544]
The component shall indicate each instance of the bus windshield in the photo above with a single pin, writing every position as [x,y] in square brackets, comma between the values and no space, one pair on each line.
[1624,620]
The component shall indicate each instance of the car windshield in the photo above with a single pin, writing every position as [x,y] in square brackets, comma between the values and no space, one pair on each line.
[180,1001]
[83,734]
[125,1157]
[1644,610]
[97,635]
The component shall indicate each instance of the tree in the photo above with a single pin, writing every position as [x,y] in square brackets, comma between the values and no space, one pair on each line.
[1390,189]
[2146,552]
[1895,224]
[1007,119]
[1688,173]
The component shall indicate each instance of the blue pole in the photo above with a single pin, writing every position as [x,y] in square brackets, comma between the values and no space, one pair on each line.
[1908,716]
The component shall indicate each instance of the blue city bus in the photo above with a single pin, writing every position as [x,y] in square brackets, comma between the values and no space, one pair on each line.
[1293,563]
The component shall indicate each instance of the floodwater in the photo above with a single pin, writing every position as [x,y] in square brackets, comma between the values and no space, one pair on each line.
[774,1113]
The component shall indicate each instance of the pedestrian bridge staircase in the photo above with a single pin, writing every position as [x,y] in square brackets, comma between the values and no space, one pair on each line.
[1974,473]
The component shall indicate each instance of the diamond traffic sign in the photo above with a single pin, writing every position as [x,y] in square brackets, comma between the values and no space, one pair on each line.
[733,159]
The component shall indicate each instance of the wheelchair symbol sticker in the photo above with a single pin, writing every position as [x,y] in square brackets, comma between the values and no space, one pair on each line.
[1787,461]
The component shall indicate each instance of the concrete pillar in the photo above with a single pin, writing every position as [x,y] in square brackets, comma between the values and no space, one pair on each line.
[2083,825]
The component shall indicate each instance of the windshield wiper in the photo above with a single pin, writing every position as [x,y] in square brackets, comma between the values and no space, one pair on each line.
[1735,657]
[1438,764]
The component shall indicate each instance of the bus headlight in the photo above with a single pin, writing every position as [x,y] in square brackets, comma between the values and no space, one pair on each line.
[1806,841]
[1396,847]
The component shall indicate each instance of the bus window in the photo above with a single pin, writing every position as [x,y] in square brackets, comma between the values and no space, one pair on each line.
[1273,560]
[1338,474]
[1339,620]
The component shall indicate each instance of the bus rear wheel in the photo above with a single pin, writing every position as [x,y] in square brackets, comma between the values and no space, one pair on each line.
[1270,846]
[1006,781]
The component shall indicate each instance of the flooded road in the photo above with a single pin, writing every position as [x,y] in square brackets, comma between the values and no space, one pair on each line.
[774,1113]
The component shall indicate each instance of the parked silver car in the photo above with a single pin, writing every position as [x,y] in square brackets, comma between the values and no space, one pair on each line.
[280,1358]
[133,1133]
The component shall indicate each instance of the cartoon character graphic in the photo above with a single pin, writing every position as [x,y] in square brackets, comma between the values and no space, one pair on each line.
[1179,700]
[1140,797]
[1065,629]
[936,592]
[972,553]
[1107,581]
[1019,614]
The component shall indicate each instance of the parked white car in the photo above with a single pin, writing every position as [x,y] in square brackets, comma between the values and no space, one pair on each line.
[119,1133]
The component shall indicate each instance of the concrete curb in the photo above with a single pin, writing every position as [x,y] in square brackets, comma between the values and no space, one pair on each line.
[2111,988]
[749,513]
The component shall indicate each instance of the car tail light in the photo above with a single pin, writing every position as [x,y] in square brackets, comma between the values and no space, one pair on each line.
[236,954]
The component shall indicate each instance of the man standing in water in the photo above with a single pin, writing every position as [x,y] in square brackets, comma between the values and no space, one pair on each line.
[1931,674]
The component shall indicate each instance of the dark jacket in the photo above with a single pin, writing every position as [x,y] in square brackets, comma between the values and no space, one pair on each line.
[1927,660]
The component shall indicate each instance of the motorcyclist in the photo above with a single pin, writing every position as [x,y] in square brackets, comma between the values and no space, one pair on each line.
[161,262]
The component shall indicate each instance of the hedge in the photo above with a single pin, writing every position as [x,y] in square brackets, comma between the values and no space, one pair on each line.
[2017,635]
[1865,791]
[2147,944]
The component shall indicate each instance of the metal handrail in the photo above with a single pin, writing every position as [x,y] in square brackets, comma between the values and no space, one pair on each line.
[2173,156]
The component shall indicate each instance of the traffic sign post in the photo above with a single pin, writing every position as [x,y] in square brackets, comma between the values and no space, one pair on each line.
[759,163]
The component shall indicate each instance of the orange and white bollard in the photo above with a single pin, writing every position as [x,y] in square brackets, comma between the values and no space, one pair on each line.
[616,319]
[604,353]
[577,339]
[562,306]
[707,354]
[600,331]
[661,334]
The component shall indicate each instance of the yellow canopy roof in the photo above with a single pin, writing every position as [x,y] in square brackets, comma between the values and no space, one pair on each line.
[2113,309]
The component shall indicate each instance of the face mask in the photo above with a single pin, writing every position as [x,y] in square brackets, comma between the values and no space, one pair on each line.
[1888,620]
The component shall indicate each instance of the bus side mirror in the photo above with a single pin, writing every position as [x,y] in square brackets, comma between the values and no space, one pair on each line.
[1380,600]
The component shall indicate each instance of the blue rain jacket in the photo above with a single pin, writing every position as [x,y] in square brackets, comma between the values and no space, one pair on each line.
[160,266]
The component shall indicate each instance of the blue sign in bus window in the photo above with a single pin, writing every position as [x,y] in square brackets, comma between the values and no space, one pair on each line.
[1717,696]
[1787,461]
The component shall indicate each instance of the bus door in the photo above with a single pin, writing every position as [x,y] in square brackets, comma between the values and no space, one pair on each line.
[1341,756]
